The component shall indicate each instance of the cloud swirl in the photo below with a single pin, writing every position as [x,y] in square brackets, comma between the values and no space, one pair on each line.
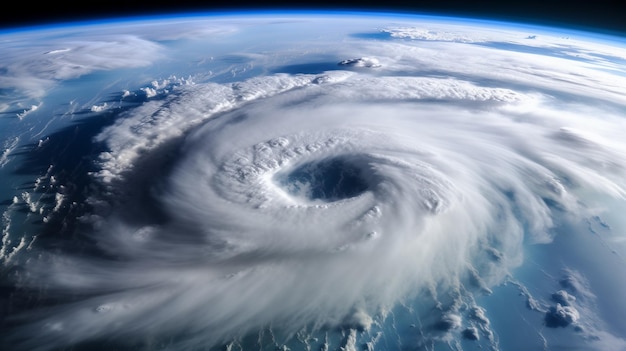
[312,201]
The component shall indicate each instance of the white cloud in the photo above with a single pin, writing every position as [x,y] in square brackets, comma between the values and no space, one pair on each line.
[528,70]
[9,146]
[100,108]
[369,62]
[28,111]
[430,168]
[46,65]
[149,126]
[463,163]
[417,33]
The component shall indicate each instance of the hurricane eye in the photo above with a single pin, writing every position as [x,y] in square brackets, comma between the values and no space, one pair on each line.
[327,180]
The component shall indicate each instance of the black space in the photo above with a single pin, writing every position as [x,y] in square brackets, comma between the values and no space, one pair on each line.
[598,15]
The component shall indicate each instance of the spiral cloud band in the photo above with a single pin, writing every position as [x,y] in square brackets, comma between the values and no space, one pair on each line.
[300,203]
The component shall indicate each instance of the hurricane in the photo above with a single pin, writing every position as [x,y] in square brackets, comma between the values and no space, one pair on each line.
[318,208]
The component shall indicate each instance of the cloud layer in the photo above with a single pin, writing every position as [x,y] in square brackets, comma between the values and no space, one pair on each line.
[314,201]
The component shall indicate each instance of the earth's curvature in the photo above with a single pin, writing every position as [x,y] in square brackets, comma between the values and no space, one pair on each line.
[312,181]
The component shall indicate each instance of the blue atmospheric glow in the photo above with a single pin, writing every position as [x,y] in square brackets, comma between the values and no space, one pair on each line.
[259,13]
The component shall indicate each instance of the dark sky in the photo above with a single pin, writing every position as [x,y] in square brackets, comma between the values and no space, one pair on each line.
[603,15]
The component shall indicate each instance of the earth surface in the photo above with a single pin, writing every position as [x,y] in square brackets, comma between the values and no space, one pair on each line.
[312,181]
